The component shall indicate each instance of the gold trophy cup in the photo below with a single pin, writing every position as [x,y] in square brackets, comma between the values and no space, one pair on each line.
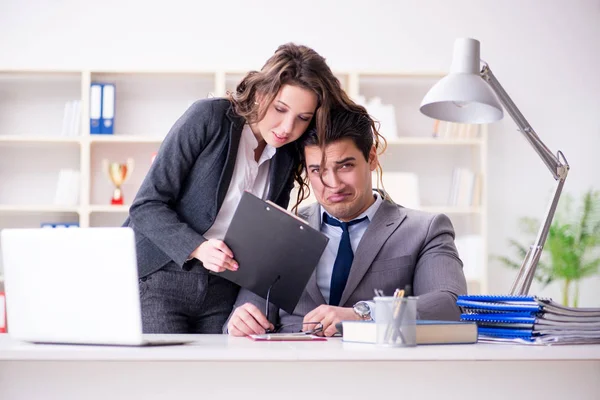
[118,173]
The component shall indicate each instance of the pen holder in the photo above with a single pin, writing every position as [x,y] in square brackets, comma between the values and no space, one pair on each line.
[396,319]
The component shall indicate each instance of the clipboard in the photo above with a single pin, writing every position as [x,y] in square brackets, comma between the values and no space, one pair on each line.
[273,248]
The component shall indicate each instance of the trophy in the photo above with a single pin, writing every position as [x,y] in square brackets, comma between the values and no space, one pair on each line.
[118,173]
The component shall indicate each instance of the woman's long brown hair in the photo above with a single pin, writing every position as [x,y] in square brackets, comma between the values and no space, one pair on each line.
[299,66]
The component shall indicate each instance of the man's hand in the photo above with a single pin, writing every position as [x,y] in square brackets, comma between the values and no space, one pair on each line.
[248,320]
[328,316]
[215,256]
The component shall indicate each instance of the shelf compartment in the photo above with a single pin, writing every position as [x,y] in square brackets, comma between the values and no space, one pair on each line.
[101,188]
[29,174]
[33,103]
[150,103]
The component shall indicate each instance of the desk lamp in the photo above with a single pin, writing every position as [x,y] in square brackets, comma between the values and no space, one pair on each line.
[470,95]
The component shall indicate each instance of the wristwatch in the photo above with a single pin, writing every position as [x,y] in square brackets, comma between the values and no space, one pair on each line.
[363,310]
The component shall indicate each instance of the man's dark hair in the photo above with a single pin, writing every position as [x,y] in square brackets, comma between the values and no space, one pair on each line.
[343,124]
[355,124]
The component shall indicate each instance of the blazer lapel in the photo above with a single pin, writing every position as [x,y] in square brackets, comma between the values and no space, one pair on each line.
[386,220]
[235,133]
[314,220]
[281,168]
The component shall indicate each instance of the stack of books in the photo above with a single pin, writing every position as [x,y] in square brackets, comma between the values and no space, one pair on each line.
[530,319]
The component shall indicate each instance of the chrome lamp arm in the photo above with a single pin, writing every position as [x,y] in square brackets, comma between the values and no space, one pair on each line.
[559,168]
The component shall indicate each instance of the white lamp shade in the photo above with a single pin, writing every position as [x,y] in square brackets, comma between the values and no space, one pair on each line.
[463,96]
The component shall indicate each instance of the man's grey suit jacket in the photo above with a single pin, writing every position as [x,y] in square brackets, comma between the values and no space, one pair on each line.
[400,246]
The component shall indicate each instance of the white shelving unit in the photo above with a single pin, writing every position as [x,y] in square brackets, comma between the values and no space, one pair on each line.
[147,104]
[414,149]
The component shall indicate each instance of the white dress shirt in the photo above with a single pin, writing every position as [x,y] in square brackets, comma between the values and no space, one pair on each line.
[248,175]
[334,233]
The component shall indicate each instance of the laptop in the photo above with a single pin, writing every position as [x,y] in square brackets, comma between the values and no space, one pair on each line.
[73,286]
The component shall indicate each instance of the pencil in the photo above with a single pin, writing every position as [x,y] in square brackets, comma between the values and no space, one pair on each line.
[389,334]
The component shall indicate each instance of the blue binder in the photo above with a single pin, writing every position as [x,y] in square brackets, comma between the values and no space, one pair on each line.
[107,123]
[95,107]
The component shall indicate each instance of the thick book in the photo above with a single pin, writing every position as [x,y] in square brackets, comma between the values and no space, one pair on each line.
[428,332]
[274,249]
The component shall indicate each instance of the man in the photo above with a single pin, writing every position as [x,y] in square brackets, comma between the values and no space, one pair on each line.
[373,243]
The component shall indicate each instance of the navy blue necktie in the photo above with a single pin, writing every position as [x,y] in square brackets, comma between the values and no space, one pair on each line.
[343,260]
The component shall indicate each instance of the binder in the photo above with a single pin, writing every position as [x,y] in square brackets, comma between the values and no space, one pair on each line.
[274,249]
[108,109]
[95,107]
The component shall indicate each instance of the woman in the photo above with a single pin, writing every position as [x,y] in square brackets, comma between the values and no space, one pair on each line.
[216,150]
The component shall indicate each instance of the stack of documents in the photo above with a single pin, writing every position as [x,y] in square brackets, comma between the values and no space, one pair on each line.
[529,319]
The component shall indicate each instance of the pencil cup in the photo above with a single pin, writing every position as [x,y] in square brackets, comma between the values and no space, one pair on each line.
[396,320]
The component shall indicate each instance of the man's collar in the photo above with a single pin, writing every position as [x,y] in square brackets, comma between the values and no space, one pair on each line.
[369,212]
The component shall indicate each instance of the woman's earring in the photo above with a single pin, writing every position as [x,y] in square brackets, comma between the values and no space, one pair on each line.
[256,103]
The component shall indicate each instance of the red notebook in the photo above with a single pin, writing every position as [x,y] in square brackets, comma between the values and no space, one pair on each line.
[2,313]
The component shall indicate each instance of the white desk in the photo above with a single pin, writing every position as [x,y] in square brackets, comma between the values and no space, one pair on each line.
[220,367]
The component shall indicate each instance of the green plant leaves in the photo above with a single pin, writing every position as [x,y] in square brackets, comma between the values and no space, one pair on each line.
[572,248]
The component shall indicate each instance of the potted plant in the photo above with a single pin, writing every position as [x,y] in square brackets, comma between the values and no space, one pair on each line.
[571,252]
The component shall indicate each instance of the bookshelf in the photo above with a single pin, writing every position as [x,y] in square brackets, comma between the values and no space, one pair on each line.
[32,150]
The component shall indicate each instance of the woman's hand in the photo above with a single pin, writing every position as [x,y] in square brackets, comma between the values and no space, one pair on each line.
[215,256]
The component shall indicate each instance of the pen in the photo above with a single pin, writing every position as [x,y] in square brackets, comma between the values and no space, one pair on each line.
[396,317]
[407,291]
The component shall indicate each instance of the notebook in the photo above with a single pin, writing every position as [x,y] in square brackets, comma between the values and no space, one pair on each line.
[73,286]
[274,249]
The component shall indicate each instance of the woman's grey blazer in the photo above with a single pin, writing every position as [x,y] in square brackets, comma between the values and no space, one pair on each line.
[185,187]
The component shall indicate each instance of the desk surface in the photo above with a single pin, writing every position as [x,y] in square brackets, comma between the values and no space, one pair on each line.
[225,348]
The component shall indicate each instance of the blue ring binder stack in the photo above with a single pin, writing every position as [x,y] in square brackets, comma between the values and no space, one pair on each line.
[530,319]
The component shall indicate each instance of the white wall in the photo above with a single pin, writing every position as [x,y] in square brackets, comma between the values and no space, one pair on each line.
[546,53]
